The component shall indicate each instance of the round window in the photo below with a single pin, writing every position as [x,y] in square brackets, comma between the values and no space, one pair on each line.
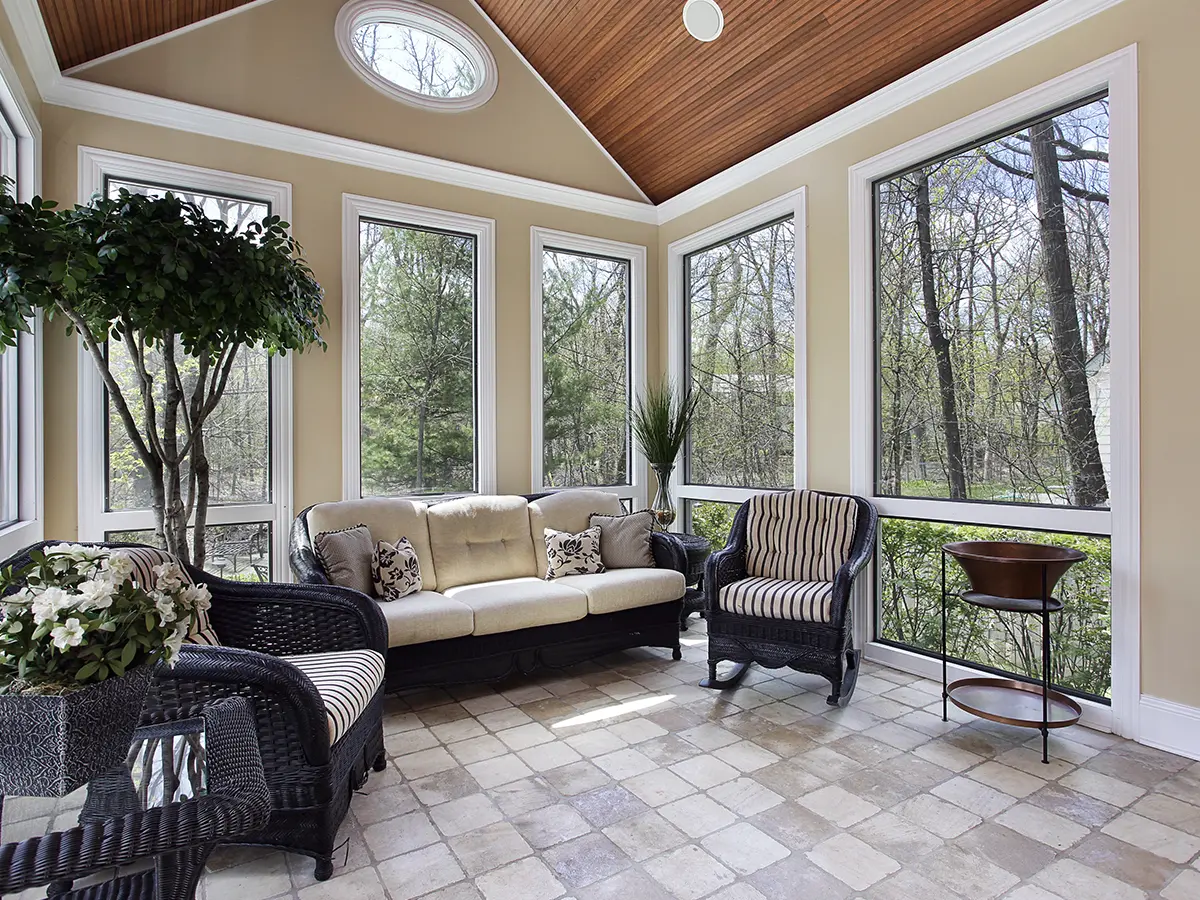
[416,53]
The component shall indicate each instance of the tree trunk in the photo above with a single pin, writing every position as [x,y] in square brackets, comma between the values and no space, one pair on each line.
[1087,470]
[955,472]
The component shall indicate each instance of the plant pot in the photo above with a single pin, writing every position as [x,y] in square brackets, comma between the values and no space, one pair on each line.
[51,745]
[1013,569]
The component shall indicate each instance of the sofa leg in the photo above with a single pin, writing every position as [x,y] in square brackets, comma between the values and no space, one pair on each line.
[677,653]
[732,680]
[380,762]
[323,869]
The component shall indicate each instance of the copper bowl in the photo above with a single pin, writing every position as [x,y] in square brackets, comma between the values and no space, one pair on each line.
[1013,569]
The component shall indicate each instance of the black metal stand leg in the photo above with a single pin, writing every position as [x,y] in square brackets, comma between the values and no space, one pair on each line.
[945,693]
[1045,670]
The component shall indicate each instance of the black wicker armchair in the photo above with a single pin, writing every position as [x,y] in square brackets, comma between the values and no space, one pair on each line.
[310,779]
[802,624]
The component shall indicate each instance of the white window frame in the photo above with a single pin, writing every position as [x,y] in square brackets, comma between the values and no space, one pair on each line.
[792,204]
[542,239]
[354,209]
[95,167]
[21,155]
[1117,74]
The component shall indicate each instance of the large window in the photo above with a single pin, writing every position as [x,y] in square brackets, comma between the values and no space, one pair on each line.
[993,373]
[737,319]
[247,435]
[587,362]
[417,352]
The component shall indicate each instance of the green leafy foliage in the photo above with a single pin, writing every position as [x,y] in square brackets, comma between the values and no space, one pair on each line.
[662,417]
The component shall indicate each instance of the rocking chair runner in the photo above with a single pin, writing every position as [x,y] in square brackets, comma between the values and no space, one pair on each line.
[778,594]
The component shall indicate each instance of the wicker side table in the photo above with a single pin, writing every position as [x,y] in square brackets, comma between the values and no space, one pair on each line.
[186,785]
[698,549]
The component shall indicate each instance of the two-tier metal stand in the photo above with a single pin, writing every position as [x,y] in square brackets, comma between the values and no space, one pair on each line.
[1007,700]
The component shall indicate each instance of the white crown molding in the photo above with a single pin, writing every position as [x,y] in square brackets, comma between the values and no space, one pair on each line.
[1169,726]
[998,44]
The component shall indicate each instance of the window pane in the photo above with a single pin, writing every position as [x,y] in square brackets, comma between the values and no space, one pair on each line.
[416,59]
[910,607]
[417,370]
[585,370]
[710,519]
[993,299]
[237,434]
[741,327]
[239,552]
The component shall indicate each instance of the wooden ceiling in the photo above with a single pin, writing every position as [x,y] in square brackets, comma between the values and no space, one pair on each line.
[83,30]
[672,111]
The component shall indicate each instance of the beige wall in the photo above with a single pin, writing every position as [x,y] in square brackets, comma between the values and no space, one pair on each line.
[316,217]
[279,62]
[1166,33]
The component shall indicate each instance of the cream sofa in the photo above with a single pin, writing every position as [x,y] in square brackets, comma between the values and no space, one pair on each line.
[485,608]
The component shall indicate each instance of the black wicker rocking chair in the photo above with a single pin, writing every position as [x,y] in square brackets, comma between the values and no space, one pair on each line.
[310,780]
[818,641]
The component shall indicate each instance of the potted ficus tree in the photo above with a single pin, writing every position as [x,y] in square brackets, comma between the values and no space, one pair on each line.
[183,294]
[79,639]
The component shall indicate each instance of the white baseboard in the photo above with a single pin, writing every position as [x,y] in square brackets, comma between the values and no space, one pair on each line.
[1169,726]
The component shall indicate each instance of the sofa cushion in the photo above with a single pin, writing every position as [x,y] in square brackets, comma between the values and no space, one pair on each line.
[799,535]
[513,603]
[569,511]
[625,540]
[573,554]
[395,570]
[479,539]
[618,589]
[346,681]
[388,519]
[426,616]
[346,557]
[769,598]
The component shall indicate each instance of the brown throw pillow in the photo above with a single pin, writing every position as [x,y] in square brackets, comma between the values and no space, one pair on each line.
[625,540]
[346,557]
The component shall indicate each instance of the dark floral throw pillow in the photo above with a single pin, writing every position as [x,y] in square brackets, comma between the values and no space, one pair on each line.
[395,570]
[573,554]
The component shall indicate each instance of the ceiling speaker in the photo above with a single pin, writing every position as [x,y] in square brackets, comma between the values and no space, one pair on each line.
[703,19]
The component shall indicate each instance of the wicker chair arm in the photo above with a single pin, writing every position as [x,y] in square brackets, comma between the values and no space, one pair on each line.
[291,719]
[728,564]
[668,552]
[238,802]
[861,551]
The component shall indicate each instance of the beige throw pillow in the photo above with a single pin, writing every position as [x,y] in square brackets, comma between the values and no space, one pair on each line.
[625,540]
[573,554]
[346,557]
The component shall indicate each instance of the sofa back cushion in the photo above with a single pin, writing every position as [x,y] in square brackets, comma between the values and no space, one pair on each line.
[799,535]
[388,519]
[479,539]
[569,511]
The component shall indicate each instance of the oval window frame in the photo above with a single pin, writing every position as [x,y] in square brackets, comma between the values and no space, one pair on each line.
[420,16]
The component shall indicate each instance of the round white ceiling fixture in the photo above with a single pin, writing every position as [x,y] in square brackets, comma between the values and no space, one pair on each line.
[703,19]
[416,53]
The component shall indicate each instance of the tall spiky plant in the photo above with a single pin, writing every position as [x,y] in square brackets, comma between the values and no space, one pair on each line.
[661,419]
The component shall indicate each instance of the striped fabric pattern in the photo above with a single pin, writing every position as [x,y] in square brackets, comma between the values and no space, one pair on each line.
[144,560]
[345,680]
[799,535]
[770,598]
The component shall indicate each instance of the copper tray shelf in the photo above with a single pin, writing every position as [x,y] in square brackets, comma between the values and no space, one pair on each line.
[1007,604]
[1012,702]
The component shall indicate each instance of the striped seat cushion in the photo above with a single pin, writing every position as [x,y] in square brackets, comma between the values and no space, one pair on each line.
[144,560]
[770,598]
[799,535]
[346,682]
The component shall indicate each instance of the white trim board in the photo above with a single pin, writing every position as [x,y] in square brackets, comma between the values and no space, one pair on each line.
[1167,725]
[1118,74]
[541,239]
[354,209]
[1043,22]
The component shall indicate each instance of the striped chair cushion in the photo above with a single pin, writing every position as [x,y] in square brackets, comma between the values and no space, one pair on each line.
[144,560]
[346,682]
[799,535]
[769,598]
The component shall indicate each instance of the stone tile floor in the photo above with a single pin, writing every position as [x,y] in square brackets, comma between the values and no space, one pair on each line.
[623,780]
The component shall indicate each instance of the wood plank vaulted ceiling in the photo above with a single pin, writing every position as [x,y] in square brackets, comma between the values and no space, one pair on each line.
[672,111]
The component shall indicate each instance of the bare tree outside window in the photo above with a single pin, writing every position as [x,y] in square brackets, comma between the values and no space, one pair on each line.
[415,59]
[417,376]
[585,369]
[741,327]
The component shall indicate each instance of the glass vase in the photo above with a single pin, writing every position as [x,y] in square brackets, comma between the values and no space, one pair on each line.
[663,506]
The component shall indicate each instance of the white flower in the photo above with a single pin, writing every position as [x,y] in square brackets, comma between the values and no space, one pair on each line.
[165,606]
[96,594]
[197,597]
[118,566]
[68,634]
[49,603]
[169,577]
[174,642]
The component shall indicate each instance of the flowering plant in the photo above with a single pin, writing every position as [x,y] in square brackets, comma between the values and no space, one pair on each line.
[75,616]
